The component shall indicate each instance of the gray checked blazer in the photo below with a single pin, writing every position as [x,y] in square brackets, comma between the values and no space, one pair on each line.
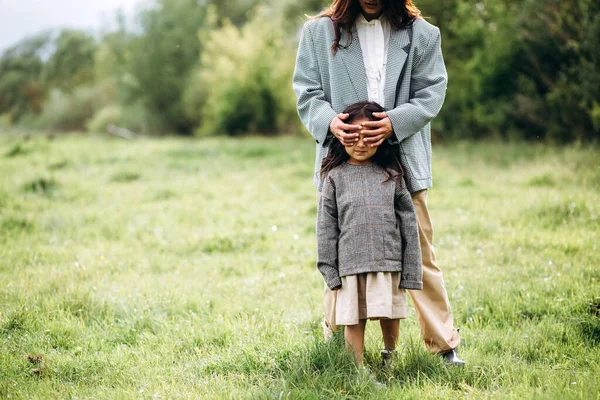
[414,89]
[366,223]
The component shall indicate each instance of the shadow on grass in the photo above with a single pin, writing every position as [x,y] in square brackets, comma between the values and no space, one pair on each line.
[15,321]
[588,322]
[12,225]
[125,176]
[17,150]
[232,243]
[192,153]
[43,186]
[545,180]
[58,165]
[317,369]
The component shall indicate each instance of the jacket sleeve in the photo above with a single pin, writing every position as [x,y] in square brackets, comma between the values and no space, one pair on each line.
[327,236]
[314,109]
[412,275]
[427,92]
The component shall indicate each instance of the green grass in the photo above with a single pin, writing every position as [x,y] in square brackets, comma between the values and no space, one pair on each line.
[174,268]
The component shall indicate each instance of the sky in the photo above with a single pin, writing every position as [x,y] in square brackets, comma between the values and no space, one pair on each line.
[21,18]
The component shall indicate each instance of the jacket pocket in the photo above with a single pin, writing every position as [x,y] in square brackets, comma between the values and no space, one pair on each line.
[392,242]
[416,157]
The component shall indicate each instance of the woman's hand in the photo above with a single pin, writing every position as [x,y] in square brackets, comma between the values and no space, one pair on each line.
[377,131]
[347,134]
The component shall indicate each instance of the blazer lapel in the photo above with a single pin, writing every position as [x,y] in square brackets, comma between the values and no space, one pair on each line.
[398,48]
[355,65]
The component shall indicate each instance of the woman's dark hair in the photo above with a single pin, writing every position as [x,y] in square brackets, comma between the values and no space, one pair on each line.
[387,155]
[400,13]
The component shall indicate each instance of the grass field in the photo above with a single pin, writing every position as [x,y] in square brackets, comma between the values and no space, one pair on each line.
[174,268]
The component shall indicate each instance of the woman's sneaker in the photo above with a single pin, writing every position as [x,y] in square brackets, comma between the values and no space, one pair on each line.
[451,358]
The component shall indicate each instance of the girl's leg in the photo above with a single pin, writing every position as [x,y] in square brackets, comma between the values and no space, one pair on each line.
[355,340]
[390,329]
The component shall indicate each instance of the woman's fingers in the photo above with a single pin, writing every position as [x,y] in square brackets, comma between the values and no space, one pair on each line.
[348,135]
[372,130]
[373,124]
[349,128]
[375,141]
[379,142]
[377,131]
[347,138]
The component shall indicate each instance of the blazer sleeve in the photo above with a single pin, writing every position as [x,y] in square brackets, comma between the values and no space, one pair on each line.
[313,108]
[427,92]
[328,233]
[411,276]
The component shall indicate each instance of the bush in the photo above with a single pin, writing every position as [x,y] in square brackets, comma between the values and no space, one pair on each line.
[244,81]
[160,58]
[140,119]
[5,121]
[71,111]
[108,115]
[521,70]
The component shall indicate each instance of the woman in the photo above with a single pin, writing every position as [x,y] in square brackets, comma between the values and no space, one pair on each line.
[381,51]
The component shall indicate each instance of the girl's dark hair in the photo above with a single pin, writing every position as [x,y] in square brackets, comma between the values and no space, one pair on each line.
[387,155]
[343,13]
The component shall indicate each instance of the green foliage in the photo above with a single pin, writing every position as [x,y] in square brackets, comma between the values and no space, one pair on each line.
[71,111]
[517,70]
[245,78]
[72,61]
[138,118]
[20,77]
[526,70]
[236,12]
[295,12]
[18,149]
[162,56]
[562,59]
[5,121]
[110,114]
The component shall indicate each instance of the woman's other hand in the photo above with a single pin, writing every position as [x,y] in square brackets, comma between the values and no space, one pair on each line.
[377,131]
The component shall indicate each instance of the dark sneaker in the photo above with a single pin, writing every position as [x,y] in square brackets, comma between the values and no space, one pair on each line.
[451,358]
[387,357]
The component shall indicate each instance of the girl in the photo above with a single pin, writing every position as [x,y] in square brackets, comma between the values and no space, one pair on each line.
[367,236]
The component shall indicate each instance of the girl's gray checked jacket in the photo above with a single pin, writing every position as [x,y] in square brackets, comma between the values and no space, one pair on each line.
[414,90]
[366,223]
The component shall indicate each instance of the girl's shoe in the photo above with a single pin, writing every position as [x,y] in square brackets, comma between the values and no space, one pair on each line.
[386,358]
[368,376]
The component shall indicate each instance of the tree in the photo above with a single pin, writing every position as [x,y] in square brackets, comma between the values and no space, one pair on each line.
[72,61]
[561,69]
[244,79]
[20,77]
[162,56]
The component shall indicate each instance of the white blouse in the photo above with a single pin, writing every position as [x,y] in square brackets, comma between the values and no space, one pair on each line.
[374,37]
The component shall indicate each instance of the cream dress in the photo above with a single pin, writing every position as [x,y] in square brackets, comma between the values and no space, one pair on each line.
[371,295]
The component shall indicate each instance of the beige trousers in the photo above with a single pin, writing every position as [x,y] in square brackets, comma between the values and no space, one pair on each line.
[431,303]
